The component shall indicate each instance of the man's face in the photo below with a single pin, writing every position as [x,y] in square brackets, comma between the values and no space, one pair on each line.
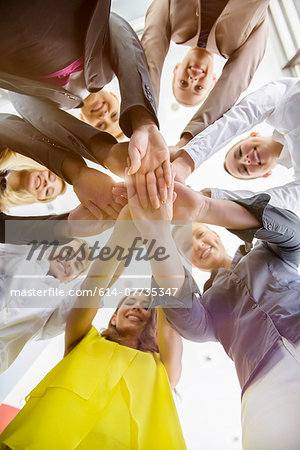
[102,111]
[194,77]
[65,265]
[251,158]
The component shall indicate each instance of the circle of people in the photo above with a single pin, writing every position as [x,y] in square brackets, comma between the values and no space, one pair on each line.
[113,389]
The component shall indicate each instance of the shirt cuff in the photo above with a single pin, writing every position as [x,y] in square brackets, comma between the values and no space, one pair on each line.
[185,298]
[255,205]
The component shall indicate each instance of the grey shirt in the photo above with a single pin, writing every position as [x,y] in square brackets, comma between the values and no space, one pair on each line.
[253,305]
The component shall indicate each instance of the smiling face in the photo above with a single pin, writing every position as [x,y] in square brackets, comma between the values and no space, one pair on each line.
[42,184]
[132,316]
[204,248]
[102,110]
[194,77]
[67,265]
[208,252]
[253,157]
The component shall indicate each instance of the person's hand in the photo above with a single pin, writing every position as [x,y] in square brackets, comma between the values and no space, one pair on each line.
[94,190]
[173,150]
[187,203]
[146,219]
[83,223]
[120,193]
[150,161]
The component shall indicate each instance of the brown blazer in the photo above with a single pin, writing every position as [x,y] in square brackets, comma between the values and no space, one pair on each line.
[239,35]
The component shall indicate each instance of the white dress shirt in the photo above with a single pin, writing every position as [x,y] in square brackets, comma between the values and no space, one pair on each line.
[278,104]
[23,317]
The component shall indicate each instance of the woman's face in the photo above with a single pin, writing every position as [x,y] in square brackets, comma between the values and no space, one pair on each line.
[133,316]
[253,157]
[42,184]
[194,77]
[201,246]
[65,266]
[208,252]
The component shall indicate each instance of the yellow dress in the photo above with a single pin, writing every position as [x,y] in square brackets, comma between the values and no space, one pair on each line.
[103,395]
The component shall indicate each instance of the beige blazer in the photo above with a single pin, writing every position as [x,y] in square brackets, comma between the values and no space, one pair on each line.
[239,35]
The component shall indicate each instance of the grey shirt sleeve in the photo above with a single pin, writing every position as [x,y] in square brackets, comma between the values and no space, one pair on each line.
[280,228]
[186,312]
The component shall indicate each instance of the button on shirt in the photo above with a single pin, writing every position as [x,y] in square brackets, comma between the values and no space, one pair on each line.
[250,308]
[278,104]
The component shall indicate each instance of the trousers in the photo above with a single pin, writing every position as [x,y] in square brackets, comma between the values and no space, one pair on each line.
[271,403]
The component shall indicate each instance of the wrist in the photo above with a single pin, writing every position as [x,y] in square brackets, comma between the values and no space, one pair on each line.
[185,139]
[204,206]
[71,168]
[183,166]
[160,231]
[100,148]
[141,117]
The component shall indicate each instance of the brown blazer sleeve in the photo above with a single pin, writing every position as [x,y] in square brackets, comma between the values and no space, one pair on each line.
[156,40]
[21,137]
[67,131]
[129,63]
[235,78]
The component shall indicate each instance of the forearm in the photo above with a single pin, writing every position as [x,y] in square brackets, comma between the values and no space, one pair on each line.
[140,117]
[170,348]
[167,270]
[77,137]
[226,214]
[71,168]
[286,196]
[187,315]
[86,307]
[156,40]
[132,72]
[235,78]
[279,229]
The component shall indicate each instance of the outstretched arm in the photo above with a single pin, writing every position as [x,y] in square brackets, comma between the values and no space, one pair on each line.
[156,40]
[100,276]
[147,150]
[199,208]
[80,318]
[170,348]
[285,196]
[250,111]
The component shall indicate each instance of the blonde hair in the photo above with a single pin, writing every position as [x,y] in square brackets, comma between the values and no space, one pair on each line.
[10,160]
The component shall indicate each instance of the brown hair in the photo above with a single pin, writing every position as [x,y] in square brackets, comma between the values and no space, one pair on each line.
[148,338]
